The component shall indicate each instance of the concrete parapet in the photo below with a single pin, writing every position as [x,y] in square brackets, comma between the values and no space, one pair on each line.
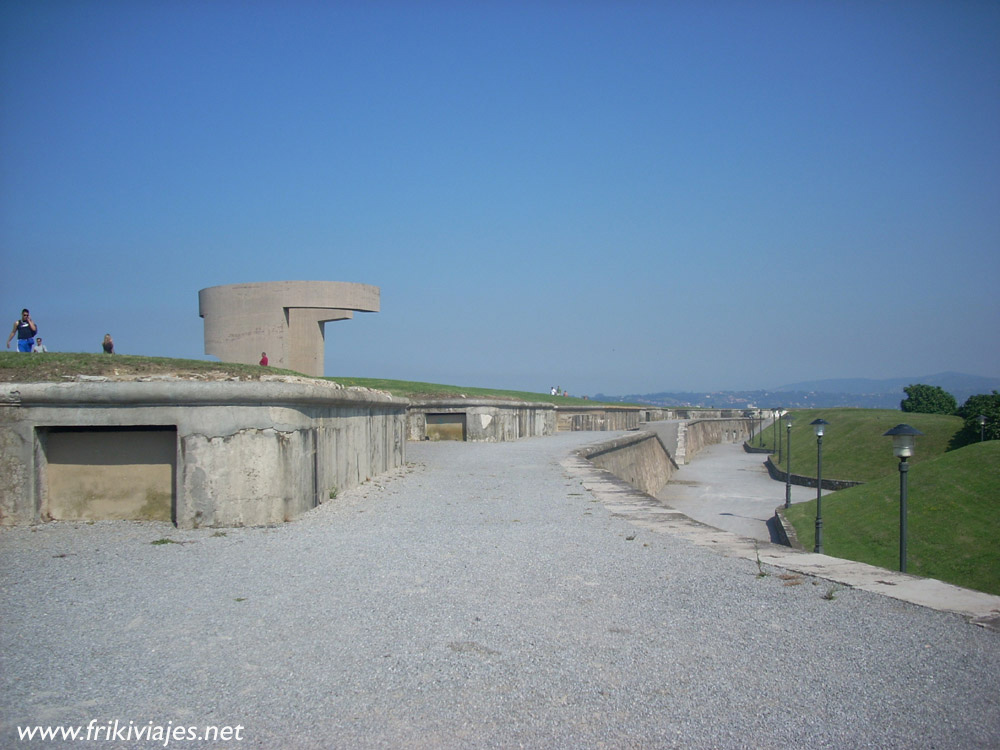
[479,420]
[234,454]
[703,432]
[575,418]
[804,481]
[283,318]
[641,460]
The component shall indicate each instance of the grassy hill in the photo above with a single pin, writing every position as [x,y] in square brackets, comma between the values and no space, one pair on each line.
[59,367]
[853,445]
[953,524]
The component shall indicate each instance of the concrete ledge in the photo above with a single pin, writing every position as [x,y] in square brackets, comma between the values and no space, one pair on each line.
[786,531]
[801,481]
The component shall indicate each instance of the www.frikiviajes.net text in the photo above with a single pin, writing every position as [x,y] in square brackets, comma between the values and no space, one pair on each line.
[116,731]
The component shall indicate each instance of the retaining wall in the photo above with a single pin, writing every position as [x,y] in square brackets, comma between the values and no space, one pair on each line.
[703,432]
[803,481]
[597,418]
[243,454]
[479,420]
[640,459]
[647,463]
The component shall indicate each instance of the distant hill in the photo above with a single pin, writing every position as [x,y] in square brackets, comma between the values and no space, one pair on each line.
[863,393]
[958,384]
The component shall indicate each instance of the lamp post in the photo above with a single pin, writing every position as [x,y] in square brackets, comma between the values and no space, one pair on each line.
[982,427]
[778,419]
[818,425]
[788,460]
[903,441]
[774,429]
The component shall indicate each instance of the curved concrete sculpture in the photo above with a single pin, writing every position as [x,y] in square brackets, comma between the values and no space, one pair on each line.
[283,318]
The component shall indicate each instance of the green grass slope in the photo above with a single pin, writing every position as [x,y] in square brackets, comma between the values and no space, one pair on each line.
[57,367]
[412,389]
[953,520]
[853,446]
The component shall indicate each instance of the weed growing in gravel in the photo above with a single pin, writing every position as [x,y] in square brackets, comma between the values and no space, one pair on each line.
[761,573]
[164,540]
[831,594]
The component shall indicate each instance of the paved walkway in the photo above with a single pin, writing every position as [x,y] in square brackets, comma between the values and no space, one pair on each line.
[730,489]
[491,595]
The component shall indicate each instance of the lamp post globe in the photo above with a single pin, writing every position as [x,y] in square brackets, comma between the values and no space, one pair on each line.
[903,443]
[819,426]
[982,427]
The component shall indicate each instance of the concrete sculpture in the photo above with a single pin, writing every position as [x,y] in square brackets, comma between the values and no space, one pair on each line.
[283,318]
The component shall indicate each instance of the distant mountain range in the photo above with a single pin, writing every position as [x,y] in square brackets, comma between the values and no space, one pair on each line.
[858,392]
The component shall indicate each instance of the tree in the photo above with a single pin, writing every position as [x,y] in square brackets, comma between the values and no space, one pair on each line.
[928,399]
[987,405]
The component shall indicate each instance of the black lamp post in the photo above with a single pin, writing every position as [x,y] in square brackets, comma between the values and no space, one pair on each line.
[788,460]
[982,427]
[774,429]
[903,441]
[778,419]
[818,425]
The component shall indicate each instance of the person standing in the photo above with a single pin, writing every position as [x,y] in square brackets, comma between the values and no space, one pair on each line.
[25,328]
[108,345]
[39,346]
[263,359]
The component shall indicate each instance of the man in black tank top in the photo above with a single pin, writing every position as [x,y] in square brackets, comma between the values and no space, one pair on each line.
[25,328]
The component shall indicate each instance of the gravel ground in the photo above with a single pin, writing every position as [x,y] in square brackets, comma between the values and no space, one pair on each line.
[480,598]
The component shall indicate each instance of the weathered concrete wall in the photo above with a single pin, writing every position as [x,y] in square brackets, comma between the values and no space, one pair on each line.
[647,463]
[702,432]
[640,459]
[597,418]
[246,453]
[486,420]
[653,414]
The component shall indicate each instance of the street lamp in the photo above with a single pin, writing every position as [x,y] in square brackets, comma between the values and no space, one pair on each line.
[982,427]
[818,425]
[778,419]
[903,441]
[788,460]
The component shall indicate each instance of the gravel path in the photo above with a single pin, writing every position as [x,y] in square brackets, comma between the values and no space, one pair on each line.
[481,598]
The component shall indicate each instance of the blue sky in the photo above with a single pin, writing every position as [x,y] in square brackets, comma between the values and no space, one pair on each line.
[616,197]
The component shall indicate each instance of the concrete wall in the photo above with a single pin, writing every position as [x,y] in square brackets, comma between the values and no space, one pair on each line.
[640,459]
[283,318]
[648,459]
[485,420]
[597,418]
[653,414]
[246,454]
[703,432]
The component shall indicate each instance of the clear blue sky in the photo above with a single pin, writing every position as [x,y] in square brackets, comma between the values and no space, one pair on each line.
[615,197]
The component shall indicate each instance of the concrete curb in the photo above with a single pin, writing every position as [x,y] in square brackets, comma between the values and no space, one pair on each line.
[803,481]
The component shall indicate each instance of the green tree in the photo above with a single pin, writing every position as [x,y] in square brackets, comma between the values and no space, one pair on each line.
[987,404]
[928,399]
